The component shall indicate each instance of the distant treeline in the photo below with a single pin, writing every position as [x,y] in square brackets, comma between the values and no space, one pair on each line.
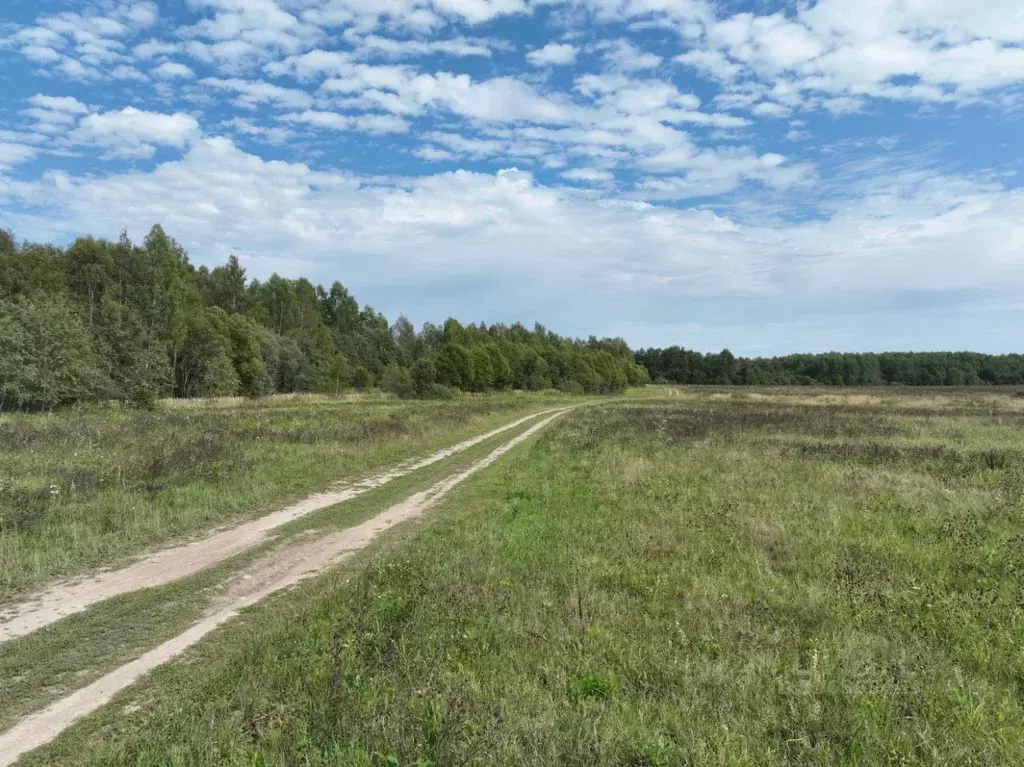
[102,321]
[682,366]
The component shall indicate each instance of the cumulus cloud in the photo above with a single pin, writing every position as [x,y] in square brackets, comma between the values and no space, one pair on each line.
[173,70]
[125,72]
[588,175]
[367,123]
[250,30]
[251,93]
[610,141]
[623,56]
[553,53]
[13,154]
[133,132]
[944,50]
[374,45]
[54,114]
[552,242]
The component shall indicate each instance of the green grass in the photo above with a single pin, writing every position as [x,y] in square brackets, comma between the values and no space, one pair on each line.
[48,664]
[86,488]
[686,581]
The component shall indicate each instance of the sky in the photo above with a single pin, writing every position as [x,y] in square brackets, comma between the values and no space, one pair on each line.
[766,176]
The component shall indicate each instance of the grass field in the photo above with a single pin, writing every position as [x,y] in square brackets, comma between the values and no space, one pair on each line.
[711,577]
[86,488]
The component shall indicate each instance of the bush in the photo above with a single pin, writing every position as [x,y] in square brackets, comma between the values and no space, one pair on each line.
[440,391]
[396,380]
[571,387]
[361,378]
[424,375]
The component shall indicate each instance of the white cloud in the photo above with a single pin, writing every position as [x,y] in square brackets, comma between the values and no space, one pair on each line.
[711,62]
[553,53]
[133,132]
[258,28]
[623,56]
[254,92]
[589,175]
[37,36]
[710,173]
[41,54]
[377,124]
[272,134]
[479,11]
[433,154]
[75,70]
[546,244]
[124,72]
[143,14]
[173,70]
[951,51]
[153,48]
[231,55]
[404,91]
[14,154]
[366,123]
[66,104]
[313,64]
[374,45]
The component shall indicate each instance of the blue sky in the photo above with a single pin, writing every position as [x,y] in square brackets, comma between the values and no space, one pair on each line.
[768,176]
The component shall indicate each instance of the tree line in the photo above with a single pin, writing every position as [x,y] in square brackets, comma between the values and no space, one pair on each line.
[118,321]
[684,366]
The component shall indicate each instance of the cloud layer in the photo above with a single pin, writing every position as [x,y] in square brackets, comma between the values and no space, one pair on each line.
[653,168]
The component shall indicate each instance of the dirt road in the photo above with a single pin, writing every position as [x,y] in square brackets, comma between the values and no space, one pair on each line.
[172,564]
[285,566]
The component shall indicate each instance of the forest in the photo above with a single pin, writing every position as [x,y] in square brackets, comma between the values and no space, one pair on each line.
[102,321]
[683,366]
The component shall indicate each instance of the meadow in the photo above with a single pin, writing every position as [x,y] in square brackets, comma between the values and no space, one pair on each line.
[699,576]
[88,487]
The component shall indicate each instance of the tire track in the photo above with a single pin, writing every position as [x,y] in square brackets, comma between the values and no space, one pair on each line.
[168,565]
[286,567]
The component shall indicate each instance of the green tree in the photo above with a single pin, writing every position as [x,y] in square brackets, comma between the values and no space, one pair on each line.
[501,370]
[225,287]
[132,360]
[47,355]
[361,378]
[454,366]
[174,297]
[204,365]
[424,376]
[339,375]
[404,335]
[247,356]
[396,380]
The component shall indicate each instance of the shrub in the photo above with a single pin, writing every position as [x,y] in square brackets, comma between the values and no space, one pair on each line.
[440,391]
[396,380]
[361,378]
[571,387]
[424,375]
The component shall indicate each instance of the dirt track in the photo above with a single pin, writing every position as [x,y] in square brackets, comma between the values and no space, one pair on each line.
[169,565]
[289,564]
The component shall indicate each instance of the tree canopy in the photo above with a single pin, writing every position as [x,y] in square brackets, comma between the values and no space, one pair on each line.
[102,320]
[683,366]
